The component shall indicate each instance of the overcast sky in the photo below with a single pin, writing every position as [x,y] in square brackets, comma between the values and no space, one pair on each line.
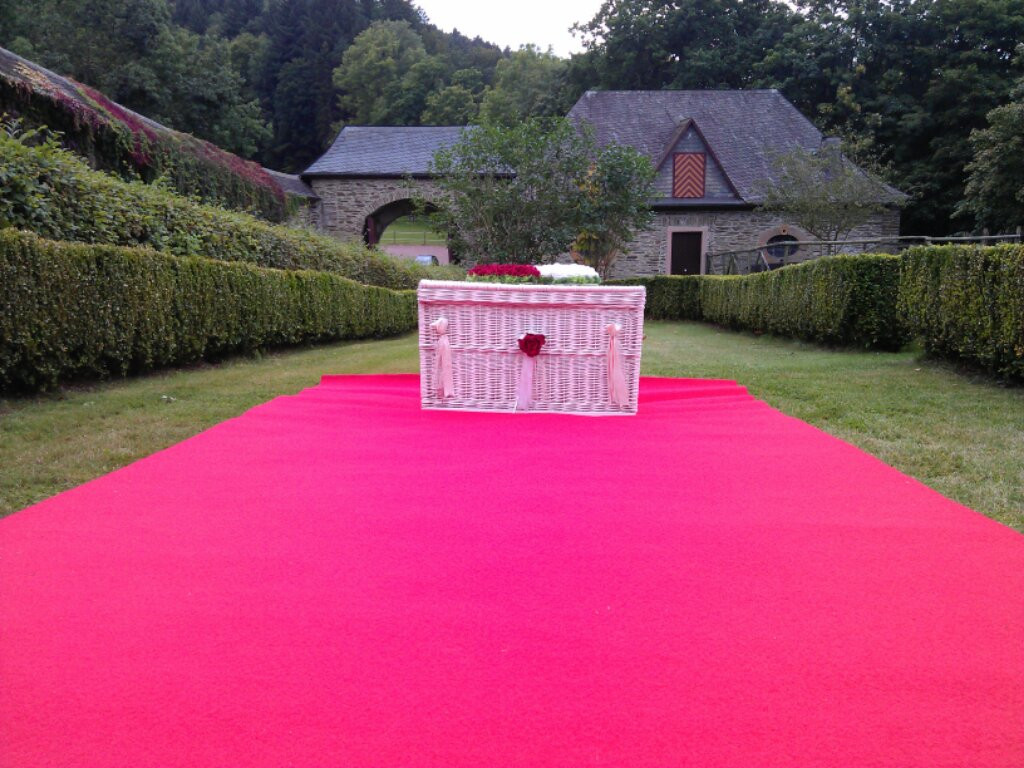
[512,24]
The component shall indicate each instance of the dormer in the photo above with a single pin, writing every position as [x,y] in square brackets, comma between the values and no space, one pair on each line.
[689,170]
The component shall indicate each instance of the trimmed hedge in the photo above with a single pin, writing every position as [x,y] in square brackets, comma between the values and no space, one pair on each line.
[841,300]
[967,303]
[70,311]
[50,191]
[669,297]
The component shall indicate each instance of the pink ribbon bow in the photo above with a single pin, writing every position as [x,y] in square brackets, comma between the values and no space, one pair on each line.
[617,389]
[444,381]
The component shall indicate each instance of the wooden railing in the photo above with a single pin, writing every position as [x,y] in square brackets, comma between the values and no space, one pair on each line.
[776,255]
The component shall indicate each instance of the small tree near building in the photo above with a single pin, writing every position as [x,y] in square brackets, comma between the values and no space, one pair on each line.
[610,217]
[824,193]
[525,193]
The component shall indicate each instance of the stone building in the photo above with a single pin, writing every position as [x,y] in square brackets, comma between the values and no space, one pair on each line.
[370,175]
[714,152]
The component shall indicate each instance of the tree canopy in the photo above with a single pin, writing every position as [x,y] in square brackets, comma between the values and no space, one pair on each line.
[908,78]
[905,81]
[132,52]
[524,193]
[529,83]
[823,193]
[381,72]
[994,195]
[254,76]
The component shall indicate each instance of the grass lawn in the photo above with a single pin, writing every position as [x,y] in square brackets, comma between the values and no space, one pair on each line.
[408,231]
[963,436]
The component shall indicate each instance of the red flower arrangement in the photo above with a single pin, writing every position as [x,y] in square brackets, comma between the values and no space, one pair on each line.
[530,343]
[504,270]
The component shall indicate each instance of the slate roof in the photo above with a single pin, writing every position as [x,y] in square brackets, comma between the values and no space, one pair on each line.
[291,184]
[745,129]
[384,150]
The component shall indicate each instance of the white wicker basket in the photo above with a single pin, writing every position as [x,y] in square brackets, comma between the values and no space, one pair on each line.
[485,321]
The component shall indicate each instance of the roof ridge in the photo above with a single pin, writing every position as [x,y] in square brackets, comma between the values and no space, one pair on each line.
[410,127]
[685,90]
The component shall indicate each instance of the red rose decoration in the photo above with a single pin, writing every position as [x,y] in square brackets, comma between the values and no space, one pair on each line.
[504,270]
[531,343]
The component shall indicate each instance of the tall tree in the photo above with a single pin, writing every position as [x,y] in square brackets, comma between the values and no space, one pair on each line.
[306,41]
[132,52]
[994,195]
[915,76]
[453,105]
[644,44]
[374,70]
[823,193]
[530,83]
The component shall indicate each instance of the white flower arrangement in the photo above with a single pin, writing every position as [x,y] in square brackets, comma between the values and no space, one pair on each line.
[569,273]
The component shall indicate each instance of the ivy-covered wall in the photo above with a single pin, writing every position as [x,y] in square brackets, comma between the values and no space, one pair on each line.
[116,139]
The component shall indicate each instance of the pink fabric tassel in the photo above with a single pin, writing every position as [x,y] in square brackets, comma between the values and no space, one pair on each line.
[617,389]
[444,380]
[524,391]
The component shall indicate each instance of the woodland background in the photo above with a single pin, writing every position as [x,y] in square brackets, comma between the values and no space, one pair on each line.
[927,93]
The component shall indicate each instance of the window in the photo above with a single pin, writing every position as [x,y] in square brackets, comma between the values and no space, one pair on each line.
[688,174]
[780,247]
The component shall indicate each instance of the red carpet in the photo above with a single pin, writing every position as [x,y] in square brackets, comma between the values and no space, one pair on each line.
[340,579]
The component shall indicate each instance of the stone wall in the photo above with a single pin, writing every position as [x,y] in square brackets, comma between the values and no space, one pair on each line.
[306,215]
[345,203]
[728,230]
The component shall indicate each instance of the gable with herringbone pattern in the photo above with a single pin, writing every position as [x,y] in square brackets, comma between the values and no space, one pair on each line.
[688,174]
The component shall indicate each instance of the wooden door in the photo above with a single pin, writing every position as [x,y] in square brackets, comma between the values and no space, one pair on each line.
[686,253]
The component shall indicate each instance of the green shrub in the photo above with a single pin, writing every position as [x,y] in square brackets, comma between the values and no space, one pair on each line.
[841,300]
[70,310]
[967,303]
[669,297]
[50,191]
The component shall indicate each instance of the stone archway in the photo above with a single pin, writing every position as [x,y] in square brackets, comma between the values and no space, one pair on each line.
[348,201]
[392,201]
[387,209]
[378,220]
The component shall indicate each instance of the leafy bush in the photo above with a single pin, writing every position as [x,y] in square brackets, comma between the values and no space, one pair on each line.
[842,300]
[69,310]
[524,193]
[669,297]
[50,191]
[967,303]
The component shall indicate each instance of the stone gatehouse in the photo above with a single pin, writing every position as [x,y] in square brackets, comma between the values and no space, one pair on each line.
[714,152]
